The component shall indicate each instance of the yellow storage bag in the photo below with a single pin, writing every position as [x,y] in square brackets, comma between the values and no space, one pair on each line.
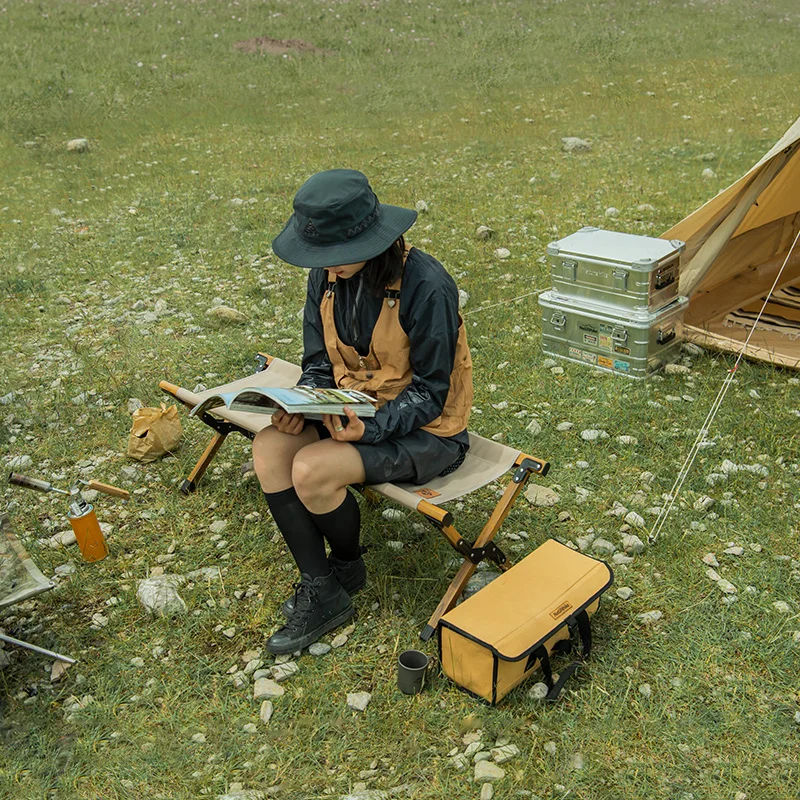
[502,634]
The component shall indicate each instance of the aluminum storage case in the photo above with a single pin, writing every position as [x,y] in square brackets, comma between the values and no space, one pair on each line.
[625,342]
[620,269]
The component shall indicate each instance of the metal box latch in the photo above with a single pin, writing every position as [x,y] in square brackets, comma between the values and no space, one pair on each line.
[619,334]
[620,278]
[570,269]
[558,320]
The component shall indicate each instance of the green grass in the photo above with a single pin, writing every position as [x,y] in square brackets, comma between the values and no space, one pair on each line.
[462,105]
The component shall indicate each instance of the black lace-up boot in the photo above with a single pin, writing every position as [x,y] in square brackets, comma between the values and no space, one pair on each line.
[320,605]
[351,574]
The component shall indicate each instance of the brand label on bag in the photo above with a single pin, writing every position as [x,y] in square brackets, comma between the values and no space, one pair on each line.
[559,611]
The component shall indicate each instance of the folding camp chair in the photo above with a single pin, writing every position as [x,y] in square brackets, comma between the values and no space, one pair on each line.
[20,579]
[485,461]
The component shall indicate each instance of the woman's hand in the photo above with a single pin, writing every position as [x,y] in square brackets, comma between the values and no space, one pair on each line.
[288,423]
[352,432]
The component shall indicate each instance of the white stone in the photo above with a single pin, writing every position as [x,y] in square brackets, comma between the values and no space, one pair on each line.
[504,753]
[708,173]
[620,559]
[340,640]
[319,648]
[577,761]
[358,701]
[781,606]
[62,539]
[726,586]
[78,145]
[393,515]
[550,748]
[649,617]
[20,462]
[602,547]
[200,738]
[676,369]
[710,559]
[541,495]
[484,232]
[267,689]
[574,144]
[487,791]
[645,690]
[266,711]
[534,427]
[281,672]
[632,543]
[226,314]
[592,435]
[502,253]
[463,298]
[634,520]
[538,691]
[159,595]
[734,551]
[565,426]
[624,593]
[713,574]
[488,772]
[421,206]
[625,439]
[703,503]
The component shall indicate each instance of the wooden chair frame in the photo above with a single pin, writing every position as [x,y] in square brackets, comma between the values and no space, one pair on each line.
[423,500]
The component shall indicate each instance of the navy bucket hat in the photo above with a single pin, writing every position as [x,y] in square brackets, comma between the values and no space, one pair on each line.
[338,220]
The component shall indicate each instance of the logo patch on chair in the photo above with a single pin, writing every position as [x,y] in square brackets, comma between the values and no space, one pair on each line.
[427,493]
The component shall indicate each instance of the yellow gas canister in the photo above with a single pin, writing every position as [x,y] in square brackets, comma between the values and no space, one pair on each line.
[87,530]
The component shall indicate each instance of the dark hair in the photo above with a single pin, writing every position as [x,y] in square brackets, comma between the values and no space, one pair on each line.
[384,269]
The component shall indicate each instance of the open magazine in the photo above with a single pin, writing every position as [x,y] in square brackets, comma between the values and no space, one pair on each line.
[311,403]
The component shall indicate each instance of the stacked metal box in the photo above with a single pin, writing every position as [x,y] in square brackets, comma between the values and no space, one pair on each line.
[614,302]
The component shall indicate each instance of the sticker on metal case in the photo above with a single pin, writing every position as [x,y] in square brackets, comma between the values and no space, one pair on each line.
[625,351]
[605,361]
[605,341]
[574,352]
[589,358]
[622,366]
[589,338]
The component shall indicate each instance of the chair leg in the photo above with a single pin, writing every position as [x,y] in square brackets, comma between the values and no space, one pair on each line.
[467,569]
[190,484]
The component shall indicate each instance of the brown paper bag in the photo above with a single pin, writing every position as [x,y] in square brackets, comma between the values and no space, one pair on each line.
[155,431]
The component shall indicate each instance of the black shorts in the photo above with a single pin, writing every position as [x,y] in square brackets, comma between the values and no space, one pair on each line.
[416,457]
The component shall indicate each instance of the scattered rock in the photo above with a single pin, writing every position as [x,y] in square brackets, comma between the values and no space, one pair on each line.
[78,146]
[649,617]
[281,672]
[538,691]
[612,212]
[734,551]
[710,559]
[703,503]
[624,593]
[534,427]
[602,547]
[484,232]
[502,253]
[708,173]
[629,440]
[592,435]
[266,711]
[488,772]
[218,525]
[781,606]
[199,738]
[227,314]
[504,753]
[340,640]
[358,701]
[635,520]
[393,515]
[20,462]
[573,144]
[541,495]
[565,426]
[726,586]
[632,544]
[319,648]
[676,369]
[159,595]
[550,748]
[487,791]
[267,689]
[62,539]
[57,670]
[645,690]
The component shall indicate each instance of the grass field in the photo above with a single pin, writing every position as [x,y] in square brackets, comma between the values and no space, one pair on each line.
[110,260]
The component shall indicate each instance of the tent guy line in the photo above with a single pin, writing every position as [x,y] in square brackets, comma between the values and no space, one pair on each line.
[703,432]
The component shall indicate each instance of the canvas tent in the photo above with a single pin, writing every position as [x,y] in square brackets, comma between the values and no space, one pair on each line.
[735,246]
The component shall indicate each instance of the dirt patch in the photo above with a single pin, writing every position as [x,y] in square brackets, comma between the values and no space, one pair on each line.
[279,47]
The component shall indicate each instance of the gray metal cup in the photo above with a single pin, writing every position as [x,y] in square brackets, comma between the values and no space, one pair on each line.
[412,667]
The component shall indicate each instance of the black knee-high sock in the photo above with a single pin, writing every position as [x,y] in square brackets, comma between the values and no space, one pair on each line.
[341,527]
[301,535]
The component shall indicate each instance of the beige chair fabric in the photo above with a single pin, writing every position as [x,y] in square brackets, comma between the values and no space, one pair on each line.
[485,461]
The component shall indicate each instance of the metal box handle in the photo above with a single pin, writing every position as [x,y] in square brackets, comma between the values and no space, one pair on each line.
[558,320]
[570,269]
[619,334]
[620,280]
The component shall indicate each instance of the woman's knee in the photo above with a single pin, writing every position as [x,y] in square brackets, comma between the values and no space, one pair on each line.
[273,452]
[313,475]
